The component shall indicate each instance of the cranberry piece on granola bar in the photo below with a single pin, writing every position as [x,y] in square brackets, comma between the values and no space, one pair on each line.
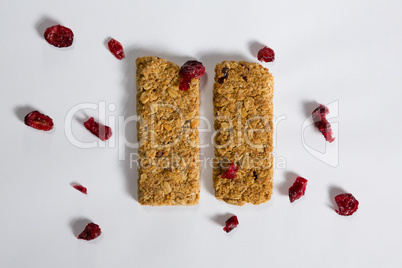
[90,232]
[59,36]
[231,173]
[116,48]
[266,54]
[298,189]
[80,188]
[38,121]
[224,76]
[101,131]
[347,204]
[321,122]
[230,224]
[192,69]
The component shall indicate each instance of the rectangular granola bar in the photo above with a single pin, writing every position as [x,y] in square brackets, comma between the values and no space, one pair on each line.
[243,113]
[169,166]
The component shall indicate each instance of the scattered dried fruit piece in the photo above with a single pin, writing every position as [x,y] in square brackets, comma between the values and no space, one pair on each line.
[101,131]
[192,69]
[347,204]
[38,121]
[230,224]
[321,122]
[298,189]
[59,36]
[90,232]
[266,55]
[116,48]
[231,173]
[80,188]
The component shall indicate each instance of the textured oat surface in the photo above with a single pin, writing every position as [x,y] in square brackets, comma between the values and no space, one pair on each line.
[169,168]
[243,113]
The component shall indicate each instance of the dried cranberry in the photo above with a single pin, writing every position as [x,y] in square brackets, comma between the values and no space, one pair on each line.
[230,224]
[59,36]
[231,173]
[347,204]
[184,84]
[298,189]
[39,121]
[116,48]
[266,54]
[321,122]
[225,75]
[80,188]
[90,232]
[192,69]
[101,131]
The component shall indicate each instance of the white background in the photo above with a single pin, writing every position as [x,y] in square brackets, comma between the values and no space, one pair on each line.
[347,52]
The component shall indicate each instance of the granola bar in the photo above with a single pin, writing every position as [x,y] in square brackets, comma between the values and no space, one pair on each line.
[169,166]
[243,113]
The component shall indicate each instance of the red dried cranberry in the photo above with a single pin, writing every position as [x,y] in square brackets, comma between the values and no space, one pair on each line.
[321,122]
[231,173]
[224,76]
[192,69]
[298,189]
[80,188]
[39,121]
[347,204]
[230,224]
[266,54]
[59,36]
[116,48]
[184,84]
[101,131]
[90,232]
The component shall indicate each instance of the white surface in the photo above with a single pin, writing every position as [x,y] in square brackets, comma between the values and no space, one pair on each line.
[346,52]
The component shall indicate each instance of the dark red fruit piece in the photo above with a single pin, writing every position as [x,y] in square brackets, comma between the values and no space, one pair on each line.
[266,54]
[80,188]
[230,224]
[231,173]
[321,122]
[298,189]
[90,232]
[347,204]
[116,48]
[184,84]
[101,131]
[59,36]
[39,121]
[192,69]
[224,76]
